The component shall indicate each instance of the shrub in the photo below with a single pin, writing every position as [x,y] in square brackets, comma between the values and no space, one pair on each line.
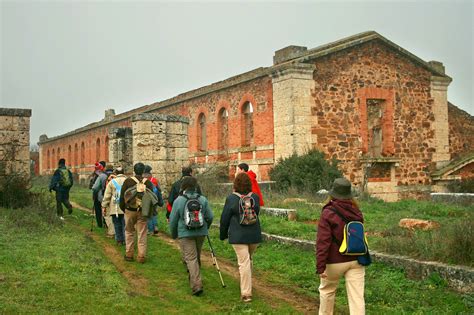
[14,191]
[309,172]
[211,178]
[462,186]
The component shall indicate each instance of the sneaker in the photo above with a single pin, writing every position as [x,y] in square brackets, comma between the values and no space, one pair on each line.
[128,258]
[61,218]
[198,292]
[246,299]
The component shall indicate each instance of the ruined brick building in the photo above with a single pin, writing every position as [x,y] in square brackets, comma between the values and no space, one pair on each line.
[377,108]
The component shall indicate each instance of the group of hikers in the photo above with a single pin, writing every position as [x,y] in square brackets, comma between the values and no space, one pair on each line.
[128,206]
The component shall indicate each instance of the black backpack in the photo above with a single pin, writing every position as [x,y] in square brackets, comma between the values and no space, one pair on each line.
[247,213]
[193,218]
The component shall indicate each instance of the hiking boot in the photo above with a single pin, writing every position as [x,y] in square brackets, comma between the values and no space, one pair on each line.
[141,260]
[198,292]
[127,258]
[246,299]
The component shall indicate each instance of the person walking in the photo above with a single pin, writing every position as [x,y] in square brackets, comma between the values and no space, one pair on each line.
[176,189]
[243,238]
[153,220]
[135,222]
[61,183]
[244,168]
[330,264]
[191,240]
[98,191]
[111,204]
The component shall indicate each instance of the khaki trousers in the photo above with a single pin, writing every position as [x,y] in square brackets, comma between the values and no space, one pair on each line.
[132,218]
[110,225]
[354,275]
[244,254]
[191,249]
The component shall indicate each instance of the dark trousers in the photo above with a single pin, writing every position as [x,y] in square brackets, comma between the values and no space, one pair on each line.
[62,197]
[98,212]
[119,225]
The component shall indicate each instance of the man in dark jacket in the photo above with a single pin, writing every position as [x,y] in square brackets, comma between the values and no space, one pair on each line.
[176,189]
[61,183]
[133,216]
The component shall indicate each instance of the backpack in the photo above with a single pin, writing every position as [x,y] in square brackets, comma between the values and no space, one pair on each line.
[193,218]
[133,195]
[247,214]
[354,242]
[118,188]
[65,179]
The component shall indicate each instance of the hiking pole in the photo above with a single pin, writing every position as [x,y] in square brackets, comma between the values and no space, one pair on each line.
[214,261]
[92,219]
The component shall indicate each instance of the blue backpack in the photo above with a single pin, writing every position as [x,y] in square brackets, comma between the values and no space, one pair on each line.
[118,188]
[354,242]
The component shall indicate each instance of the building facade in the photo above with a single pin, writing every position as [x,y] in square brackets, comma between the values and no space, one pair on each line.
[363,100]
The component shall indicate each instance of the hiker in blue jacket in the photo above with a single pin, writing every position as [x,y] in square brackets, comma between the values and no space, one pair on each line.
[61,183]
[191,239]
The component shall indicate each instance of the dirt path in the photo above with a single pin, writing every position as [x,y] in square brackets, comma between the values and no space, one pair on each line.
[303,304]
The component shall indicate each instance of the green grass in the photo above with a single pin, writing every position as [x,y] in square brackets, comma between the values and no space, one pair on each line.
[387,289]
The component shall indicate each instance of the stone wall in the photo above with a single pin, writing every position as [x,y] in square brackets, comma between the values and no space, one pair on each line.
[14,142]
[461,131]
[161,141]
[345,81]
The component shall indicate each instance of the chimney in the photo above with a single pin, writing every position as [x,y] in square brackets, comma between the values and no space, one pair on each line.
[109,114]
[438,66]
[288,53]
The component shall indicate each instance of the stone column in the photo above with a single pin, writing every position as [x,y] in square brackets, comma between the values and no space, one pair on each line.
[292,86]
[439,93]
[14,143]
[121,148]
[162,142]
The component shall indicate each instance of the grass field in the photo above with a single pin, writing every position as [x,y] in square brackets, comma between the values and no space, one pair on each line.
[388,291]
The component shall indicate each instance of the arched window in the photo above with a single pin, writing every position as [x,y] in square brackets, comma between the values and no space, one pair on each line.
[53,156]
[202,133]
[83,153]
[222,135]
[76,154]
[59,155]
[48,160]
[106,148]
[97,150]
[69,155]
[247,124]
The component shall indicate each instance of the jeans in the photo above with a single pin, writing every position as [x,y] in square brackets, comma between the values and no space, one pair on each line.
[152,223]
[62,197]
[119,225]
[98,212]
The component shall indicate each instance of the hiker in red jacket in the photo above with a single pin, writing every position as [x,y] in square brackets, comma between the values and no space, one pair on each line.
[244,167]
[332,265]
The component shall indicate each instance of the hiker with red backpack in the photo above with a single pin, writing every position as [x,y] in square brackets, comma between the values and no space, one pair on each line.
[111,204]
[241,225]
[333,261]
[61,183]
[134,190]
[190,219]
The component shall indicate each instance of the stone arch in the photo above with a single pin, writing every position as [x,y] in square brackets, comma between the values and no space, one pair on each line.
[83,153]
[201,127]
[97,149]
[247,127]
[222,128]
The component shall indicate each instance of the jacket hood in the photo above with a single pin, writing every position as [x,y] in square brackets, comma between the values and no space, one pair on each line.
[346,208]
[251,174]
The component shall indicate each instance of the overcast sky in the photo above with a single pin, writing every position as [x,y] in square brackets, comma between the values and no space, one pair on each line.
[71,60]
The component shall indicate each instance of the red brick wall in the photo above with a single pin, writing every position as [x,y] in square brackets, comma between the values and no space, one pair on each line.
[461,131]
[345,80]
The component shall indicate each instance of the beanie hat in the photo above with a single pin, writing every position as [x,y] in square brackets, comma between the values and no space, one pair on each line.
[99,166]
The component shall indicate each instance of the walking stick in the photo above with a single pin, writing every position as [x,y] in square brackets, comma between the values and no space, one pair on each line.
[92,219]
[214,261]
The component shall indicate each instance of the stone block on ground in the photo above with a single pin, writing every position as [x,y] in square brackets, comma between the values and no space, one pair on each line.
[417,224]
